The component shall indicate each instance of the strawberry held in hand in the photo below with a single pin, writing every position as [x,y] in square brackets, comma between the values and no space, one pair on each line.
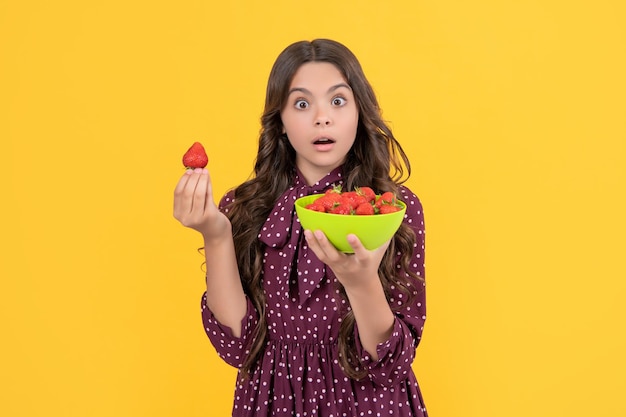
[195,157]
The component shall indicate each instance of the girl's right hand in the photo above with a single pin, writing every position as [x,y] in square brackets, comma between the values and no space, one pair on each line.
[194,206]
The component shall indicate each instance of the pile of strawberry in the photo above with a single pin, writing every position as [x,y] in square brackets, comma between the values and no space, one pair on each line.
[361,201]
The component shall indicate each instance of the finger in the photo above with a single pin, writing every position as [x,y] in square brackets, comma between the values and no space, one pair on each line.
[189,193]
[209,191]
[325,246]
[314,245]
[181,203]
[182,182]
[360,252]
[312,241]
[200,191]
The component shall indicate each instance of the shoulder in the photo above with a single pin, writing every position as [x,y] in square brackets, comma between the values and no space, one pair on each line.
[226,200]
[412,201]
[414,215]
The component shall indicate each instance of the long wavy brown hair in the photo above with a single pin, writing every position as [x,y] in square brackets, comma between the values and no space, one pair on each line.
[376,159]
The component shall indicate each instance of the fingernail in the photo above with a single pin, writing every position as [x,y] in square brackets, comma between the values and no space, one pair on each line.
[197,170]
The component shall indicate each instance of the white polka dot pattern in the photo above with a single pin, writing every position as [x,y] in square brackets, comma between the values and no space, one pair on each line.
[299,373]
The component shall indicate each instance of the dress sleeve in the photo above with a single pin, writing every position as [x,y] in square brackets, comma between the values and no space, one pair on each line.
[230,348]
[395,355]
[233,350]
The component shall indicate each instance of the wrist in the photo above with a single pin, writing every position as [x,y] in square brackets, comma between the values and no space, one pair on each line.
[213,240]
[214,243]
[364,286]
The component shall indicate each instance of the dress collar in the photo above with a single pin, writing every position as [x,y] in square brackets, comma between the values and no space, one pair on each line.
[283,218]
[282,231]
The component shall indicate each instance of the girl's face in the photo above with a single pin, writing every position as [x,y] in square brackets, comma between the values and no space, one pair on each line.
[320,119]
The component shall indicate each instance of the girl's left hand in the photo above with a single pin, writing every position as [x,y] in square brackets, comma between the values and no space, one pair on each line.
[351,269]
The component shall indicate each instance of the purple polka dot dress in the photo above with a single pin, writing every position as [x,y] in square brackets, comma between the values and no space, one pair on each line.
[299,373]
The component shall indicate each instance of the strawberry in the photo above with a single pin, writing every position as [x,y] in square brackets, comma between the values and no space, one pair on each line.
[342,208]
[362,201]
[364,209]
[329,200]
[367,192]
[353,199]
[316,207]
[195,157]
[335,190]
[386,198]
[388,208]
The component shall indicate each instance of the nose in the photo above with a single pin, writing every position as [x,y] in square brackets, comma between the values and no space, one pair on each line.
[322,118]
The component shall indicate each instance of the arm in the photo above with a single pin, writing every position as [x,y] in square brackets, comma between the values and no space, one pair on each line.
[224,293]
[395,355]
[194,208]
[232,349]
[386,341]
[372,313]
[358,273]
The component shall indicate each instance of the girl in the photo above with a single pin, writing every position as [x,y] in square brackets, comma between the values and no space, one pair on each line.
[313,331]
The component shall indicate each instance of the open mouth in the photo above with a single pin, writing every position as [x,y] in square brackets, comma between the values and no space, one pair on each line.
[323,141]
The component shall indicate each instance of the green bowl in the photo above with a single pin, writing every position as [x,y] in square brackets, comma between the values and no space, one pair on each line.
[372,230]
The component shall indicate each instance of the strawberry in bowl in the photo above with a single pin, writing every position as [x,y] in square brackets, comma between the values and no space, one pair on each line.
[374,219]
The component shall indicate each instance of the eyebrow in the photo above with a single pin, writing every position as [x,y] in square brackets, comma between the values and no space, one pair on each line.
[330,90]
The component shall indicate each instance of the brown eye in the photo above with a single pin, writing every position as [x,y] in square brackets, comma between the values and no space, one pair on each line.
[339,101]
[301,104]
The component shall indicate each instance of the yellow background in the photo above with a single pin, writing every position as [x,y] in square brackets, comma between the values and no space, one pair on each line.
[512,112]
